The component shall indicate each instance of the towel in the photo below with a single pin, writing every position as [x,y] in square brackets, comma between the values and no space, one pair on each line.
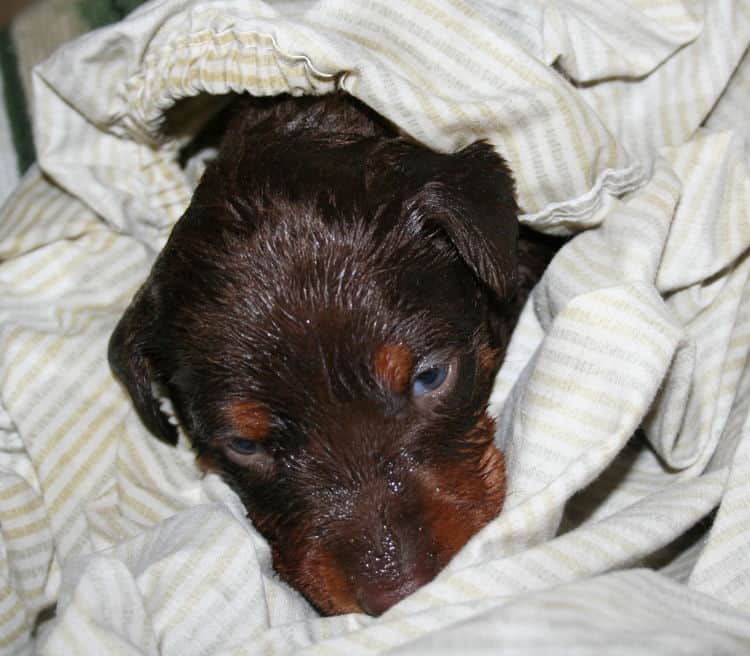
[622,405]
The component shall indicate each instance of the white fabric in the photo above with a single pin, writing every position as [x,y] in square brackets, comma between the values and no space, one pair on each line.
[641,322]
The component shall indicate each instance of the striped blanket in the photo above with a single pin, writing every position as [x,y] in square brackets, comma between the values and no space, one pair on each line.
[623,405]
[29,39]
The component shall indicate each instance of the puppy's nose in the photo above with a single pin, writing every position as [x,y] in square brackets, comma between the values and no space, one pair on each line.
[376,597]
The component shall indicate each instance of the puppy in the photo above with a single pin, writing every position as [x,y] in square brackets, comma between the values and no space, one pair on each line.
[327,318]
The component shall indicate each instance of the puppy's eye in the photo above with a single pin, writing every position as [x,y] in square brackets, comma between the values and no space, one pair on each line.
[243,447]
[429,380]
[244,452]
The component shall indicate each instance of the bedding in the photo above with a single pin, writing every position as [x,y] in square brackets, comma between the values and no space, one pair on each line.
[622,404]
[33,31]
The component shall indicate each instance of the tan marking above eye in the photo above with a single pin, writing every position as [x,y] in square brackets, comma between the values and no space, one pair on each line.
[250,419]
[393,365]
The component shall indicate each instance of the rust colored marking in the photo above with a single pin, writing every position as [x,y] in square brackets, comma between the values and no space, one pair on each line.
[488,358]
[314,571]
[491,463]
[207,463]
[393,365]
[493,473]
[250,419]
[462,497]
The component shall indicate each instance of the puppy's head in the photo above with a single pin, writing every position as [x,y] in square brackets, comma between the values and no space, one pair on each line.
[328,317]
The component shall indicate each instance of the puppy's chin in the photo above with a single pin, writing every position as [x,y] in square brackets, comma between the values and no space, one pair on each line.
[394,543]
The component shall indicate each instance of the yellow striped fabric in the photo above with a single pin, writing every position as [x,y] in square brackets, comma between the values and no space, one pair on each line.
[623,402]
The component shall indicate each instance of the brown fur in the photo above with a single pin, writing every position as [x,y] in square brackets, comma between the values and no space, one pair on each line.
[328,317]
[249,419]
[393,364]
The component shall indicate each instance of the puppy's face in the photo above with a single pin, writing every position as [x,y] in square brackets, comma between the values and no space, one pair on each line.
[328,318]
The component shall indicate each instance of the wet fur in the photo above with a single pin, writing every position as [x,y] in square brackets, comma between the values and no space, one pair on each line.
[323,260]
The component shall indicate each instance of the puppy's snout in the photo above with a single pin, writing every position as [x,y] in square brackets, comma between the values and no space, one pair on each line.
[400,558]
[375,596]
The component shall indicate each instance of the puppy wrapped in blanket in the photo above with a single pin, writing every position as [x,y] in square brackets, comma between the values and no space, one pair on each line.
[327,318]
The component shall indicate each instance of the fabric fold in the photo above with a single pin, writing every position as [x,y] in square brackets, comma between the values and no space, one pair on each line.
[622,405]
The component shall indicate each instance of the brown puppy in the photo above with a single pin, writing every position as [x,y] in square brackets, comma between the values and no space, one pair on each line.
[328,317]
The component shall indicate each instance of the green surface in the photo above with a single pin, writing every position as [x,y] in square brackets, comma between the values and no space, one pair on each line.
[15,103]
[94,13]
[103,12]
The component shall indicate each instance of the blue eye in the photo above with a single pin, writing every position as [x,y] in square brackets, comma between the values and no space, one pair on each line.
[429,380]
[243,447]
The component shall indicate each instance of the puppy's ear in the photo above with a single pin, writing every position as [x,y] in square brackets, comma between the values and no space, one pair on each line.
[469,196]
[129,359]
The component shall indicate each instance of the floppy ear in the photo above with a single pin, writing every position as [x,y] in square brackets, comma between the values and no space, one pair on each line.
[469,196]
[130,362]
